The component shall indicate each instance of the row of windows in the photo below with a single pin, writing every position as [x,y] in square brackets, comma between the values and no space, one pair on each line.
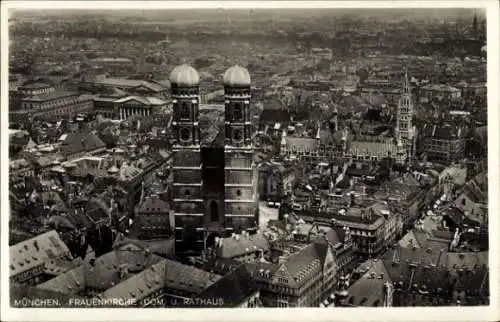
[185,91]
[53,103]
[66,110]
[236,91]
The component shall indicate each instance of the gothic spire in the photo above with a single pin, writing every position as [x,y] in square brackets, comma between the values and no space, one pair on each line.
[406,83]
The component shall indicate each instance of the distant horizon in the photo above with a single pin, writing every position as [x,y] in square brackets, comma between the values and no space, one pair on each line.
[217,13]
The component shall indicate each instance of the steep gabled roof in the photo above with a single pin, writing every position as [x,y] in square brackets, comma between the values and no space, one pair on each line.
[232,247]
[234,288]
[35,251]
[81,142]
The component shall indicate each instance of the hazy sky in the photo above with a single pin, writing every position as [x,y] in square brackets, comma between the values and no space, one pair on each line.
[214,14]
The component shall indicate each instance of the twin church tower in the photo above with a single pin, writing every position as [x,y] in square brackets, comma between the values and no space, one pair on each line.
[214,187]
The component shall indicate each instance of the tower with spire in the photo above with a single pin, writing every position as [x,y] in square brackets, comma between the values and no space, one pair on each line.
[474,25]
[404,113]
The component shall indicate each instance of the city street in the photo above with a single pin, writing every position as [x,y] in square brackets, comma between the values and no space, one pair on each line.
[266,214]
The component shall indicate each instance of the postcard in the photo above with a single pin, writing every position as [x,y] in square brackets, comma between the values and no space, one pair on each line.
[250,161]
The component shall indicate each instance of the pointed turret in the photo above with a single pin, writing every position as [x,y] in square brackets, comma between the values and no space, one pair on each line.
[406,83]
[335,119]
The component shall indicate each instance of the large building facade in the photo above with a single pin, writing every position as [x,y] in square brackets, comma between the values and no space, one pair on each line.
[215,187]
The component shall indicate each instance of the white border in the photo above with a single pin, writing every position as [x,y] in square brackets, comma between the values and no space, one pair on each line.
[490,313]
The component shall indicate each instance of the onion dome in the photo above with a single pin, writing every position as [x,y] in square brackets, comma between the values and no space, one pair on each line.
[184,75]
[236,76]
[113,170]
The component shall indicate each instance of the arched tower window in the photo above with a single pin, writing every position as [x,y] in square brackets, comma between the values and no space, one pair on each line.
[184,111]
[185,134]
[237,135]
[214,211]
[238,112]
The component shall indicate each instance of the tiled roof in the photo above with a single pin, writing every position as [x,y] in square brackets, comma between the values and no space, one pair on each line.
[425,277]
[369,289]
[161,247]
[104,273]
[395,188]
[35,251]
[128,173]
[232,247]
[130,83]
[444,132]
[70,282]
[472,280]
[163,274]
[409,240]
[234,288]
[188,278]
[222,266]
[19,164]
[458,217]
[306,260]
[60,265]
[429,251]
[140,285]
[468,260]
[81,142]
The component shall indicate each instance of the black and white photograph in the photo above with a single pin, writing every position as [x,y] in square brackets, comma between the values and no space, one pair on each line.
[250,157]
